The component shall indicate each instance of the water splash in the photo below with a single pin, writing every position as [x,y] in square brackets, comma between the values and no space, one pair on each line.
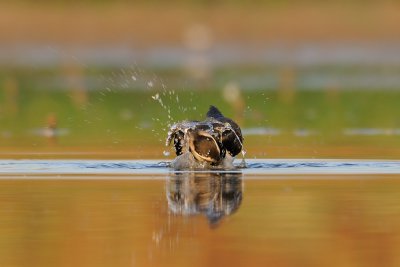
[212,127]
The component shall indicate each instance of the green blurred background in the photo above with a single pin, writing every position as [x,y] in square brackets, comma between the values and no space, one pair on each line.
[105,79]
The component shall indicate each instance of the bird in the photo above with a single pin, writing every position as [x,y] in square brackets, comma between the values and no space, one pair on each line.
[210,141]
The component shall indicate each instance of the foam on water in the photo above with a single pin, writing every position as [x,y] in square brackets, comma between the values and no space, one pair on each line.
[255,168]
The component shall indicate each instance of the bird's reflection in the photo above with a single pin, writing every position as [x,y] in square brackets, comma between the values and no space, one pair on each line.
[215,195]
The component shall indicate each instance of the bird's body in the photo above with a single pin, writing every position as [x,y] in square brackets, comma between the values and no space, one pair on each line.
[210,141]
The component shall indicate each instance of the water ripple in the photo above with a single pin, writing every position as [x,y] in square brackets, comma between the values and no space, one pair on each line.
[267,165]
[254,167]
[323,166]
[132,166]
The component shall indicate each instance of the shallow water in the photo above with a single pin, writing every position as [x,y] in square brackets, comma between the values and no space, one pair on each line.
[85,213]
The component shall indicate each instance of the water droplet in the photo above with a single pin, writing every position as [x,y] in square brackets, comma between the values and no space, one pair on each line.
[134,77]
[156,96]
[150,84]
[166,153]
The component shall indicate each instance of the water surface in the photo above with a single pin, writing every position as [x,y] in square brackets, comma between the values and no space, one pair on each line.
[215,218]
[142,213]
[156,167]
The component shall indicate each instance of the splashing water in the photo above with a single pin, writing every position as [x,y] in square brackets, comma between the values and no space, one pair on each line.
[170,99]
[214,128]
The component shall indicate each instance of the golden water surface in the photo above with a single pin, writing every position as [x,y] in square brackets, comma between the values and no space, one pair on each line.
[200,220]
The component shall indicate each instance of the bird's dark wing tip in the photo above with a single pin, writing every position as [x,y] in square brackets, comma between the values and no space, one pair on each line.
[213,112]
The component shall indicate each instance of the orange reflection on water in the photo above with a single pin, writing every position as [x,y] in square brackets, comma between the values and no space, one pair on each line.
[281,222]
